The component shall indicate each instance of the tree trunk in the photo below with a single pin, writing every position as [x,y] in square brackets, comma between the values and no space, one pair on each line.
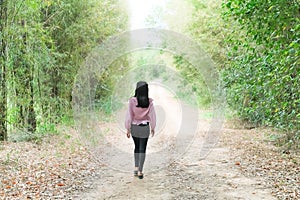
[3,94]
[30,119]
[31,113]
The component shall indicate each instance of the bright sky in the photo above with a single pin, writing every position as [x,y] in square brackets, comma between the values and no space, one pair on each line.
[141,9]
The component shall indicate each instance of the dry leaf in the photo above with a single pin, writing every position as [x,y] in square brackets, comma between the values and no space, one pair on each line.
[60,184]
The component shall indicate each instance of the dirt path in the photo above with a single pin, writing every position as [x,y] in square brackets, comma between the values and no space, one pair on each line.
[170,173]
[213,178]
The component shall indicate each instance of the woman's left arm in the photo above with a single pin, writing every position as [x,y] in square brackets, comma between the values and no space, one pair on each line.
[152,118]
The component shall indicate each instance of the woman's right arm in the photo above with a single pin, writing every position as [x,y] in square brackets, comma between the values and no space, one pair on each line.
[152,117]
[129,116]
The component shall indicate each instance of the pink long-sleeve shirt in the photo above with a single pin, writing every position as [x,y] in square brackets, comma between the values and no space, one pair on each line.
[138,115]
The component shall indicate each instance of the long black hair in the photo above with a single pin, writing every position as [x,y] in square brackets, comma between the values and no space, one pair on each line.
[141,93]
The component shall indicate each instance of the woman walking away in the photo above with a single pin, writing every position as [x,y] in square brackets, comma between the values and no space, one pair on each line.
[140,115]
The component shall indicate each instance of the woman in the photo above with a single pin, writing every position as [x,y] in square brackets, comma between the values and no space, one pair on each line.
[140,115]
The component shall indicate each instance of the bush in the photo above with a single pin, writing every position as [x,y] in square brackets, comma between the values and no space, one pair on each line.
[262,77]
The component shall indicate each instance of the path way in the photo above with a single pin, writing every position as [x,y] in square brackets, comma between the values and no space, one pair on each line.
[184,177]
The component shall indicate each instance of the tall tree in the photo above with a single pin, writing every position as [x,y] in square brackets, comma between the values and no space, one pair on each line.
[3,57]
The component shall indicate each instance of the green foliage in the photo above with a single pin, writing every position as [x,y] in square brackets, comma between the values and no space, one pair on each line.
[192,83]
[105,99]
[209,30]
[43,44]
[263,73]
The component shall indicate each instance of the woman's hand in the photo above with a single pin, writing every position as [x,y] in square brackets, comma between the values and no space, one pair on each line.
[128,133]
[152,133]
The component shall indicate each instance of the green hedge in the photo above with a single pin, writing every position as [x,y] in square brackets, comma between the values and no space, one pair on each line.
[263,74]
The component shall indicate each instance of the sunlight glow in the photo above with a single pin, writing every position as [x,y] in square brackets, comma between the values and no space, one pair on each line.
[143,10]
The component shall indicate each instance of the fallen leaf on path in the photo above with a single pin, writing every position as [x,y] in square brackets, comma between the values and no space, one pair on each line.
[237,163]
